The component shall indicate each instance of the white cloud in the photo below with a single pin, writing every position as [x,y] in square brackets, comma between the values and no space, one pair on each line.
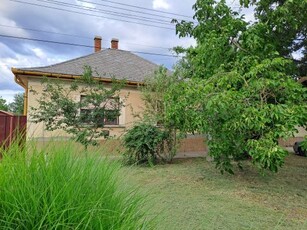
[85,4]
[39,53]
[25,53]
[160,4]
[8,95]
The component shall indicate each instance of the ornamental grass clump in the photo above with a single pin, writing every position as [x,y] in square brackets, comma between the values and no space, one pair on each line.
[60,188]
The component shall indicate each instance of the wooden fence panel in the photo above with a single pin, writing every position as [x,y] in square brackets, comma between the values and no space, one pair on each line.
[12,127]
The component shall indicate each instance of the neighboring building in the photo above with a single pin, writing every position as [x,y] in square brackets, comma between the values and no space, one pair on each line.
[108,63]
[302,132]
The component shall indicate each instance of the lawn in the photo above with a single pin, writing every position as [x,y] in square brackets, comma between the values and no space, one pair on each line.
[192,194]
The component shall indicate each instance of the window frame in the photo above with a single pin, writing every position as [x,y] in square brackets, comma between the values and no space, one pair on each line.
[104,121]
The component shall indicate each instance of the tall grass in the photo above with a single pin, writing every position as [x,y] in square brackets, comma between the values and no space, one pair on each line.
[59,188]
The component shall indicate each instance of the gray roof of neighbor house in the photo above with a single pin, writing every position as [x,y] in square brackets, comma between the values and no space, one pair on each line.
[108,63]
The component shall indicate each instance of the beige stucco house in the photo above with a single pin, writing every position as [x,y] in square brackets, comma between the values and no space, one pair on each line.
[108,63]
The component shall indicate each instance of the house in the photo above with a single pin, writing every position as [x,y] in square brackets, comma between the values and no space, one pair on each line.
[109,63]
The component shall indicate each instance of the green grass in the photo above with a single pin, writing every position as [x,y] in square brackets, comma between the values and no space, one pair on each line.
[61,188]
[192,194]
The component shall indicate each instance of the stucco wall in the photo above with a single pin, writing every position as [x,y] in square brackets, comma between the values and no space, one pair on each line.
[130,94]
[133,105]
[299,136]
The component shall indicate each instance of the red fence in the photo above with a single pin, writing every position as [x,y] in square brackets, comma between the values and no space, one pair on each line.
[11,127]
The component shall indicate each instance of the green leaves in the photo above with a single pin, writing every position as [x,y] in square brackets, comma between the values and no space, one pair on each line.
[265,153]
[144,143]
[82,117]
[241,89]
[164,133]
[3,104]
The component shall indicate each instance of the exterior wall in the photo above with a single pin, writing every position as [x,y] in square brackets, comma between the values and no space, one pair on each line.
[299,136]
[133,105]
[130,94]
[193,143]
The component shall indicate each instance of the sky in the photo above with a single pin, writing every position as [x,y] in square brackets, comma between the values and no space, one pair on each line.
[78,22]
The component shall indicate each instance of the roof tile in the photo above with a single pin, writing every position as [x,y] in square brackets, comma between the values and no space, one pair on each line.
[106,63]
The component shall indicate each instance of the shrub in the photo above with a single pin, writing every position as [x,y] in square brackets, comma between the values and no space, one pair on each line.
[59,189]
[146,143]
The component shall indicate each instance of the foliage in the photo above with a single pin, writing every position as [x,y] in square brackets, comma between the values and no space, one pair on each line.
[286,21]
[153,93]
[145,143]
[303,146]
[16,106]
[60,110]
[239,85]
[57,188]
[3,104]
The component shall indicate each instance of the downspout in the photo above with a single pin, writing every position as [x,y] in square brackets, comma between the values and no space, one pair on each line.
[25,96]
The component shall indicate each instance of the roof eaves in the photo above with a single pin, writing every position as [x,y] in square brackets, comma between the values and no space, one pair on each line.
[63,76]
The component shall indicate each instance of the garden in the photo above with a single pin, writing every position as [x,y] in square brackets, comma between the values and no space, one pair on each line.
[239,87]
[57,187]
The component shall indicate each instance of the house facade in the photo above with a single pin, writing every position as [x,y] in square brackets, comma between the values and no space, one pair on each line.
[105,64]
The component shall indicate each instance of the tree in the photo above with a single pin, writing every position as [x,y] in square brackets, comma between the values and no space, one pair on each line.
[3,104]
[240,86]
[154,138]
[153,94]
[17,105]
[84,118]
[286,21]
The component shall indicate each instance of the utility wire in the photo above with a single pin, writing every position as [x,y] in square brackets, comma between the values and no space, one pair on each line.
[45,31]
[47,41]
[113,13]
[130,10]
[78,36]
[144,8]
[99,16]
[81,45]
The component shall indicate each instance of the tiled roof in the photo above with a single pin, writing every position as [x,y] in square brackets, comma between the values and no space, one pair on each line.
[107,63]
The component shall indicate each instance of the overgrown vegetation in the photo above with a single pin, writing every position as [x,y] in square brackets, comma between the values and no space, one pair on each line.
[154,139]
[59,188]
[240,83]
[146,143]
[84,118]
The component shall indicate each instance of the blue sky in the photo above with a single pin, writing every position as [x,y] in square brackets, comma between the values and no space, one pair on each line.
[18,16]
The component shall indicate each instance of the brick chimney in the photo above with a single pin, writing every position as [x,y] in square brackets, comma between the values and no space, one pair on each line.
[114,43]
[97,43]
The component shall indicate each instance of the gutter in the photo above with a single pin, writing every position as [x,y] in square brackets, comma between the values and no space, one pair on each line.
[65,76]
[25,96]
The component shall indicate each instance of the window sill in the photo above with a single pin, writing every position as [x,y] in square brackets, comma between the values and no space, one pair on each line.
[114,126]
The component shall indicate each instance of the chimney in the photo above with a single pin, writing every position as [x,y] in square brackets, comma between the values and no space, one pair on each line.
[97,43]
[114,43]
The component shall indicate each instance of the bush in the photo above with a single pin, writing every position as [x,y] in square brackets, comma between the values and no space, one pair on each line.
[58,189]
[145,143]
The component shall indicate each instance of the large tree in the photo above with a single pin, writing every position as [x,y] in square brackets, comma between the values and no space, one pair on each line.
[17,105]
[240,85]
